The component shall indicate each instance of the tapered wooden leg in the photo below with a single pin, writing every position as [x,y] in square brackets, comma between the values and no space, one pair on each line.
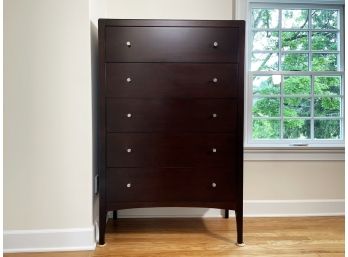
[114,215]
[227,213]
[239,222]
[102,225]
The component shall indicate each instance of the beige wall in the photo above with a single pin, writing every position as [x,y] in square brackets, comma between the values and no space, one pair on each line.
[47,114]
[170,9]
[293,180]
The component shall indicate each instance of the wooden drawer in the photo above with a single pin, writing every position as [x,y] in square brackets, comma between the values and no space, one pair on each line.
[170,150]
[171,44]
[171,80]
[171,184]
[171,115]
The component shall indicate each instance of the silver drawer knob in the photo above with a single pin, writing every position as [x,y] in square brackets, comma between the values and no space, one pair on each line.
[216,44]
[129,115]
[213,184]
[129,150]
[129,80]
[129,185]
[214,115]
[214,150]
[215,80]
[128,43]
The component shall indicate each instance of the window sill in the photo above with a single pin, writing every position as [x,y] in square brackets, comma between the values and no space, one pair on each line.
[294,153]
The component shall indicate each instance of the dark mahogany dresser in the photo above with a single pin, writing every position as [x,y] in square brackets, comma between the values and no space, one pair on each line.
[170,115]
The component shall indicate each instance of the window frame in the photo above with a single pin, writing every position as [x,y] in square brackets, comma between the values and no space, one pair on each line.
[290,143]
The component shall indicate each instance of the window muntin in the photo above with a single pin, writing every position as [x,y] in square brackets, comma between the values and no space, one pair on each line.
[296,75]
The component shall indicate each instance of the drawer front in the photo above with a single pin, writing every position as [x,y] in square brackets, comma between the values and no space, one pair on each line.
[171,80]
[170,150]
[185,184]
[171,44]
[171,115]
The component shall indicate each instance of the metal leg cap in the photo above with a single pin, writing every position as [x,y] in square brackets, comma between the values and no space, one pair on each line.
[102,245]
[240,244]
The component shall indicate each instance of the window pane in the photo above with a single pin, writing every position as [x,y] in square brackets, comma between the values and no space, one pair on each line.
[297,129]
[294,40]
[265,40]
[294,19]
[327,106]
[264,62]
[266,107]
[325,19]
[265,18]
[297,85]
[330,85]
[266,85]
[266,129]
[324,41]
[324,62]
[327,129]
[297,107]
[294,62]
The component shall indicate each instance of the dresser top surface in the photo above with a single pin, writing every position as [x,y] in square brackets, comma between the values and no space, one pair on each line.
[171,23]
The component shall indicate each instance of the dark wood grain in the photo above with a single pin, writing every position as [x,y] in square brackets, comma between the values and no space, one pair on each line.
[170,150]
[171,23]
[240,139]
[178,203]
[159,184]
[171,97]
[171,115]
[185,80]
[101,133]
[171,44]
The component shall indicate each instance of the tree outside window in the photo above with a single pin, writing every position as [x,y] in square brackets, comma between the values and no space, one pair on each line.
[296,74]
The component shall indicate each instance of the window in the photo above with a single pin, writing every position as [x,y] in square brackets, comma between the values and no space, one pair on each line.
[295,75]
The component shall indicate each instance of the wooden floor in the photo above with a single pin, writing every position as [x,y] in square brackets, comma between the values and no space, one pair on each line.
[266,237]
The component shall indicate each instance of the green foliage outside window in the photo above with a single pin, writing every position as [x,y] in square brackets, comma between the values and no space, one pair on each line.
[290,106]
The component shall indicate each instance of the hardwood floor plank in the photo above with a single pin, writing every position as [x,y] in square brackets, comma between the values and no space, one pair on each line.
[215,237]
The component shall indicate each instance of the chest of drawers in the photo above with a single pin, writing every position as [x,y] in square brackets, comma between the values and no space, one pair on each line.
[170,115]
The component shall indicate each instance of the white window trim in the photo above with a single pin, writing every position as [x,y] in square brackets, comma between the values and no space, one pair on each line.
[294,154]
[336,2]
[286,146]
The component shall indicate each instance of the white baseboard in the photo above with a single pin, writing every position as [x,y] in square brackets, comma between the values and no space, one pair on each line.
[252,208]
[49,240]
[294,208]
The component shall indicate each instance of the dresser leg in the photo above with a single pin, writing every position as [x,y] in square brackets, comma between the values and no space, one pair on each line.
[114,215]
[102,225]
[239,221]
[227,213]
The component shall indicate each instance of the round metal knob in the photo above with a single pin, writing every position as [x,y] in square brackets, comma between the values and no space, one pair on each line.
[129,185]
[213,184]
[215,80]
[128,43]
[216,44]
[129,115]
[214,150]
[214,115]
[129,80]
[129,150]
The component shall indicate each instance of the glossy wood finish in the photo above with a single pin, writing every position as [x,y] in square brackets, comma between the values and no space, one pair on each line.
[182,80]
[170,150]
[211,237]
[170,98]
[171,44]
[171,115]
